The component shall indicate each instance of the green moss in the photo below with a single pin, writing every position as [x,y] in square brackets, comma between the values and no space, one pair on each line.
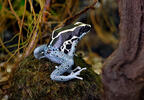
[32,81]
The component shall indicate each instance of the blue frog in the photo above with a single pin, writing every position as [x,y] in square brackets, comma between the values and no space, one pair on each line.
[61,50]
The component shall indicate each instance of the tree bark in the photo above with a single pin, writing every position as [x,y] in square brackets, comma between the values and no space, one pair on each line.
[123,71]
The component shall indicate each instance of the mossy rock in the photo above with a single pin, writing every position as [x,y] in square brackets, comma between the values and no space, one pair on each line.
[32,82]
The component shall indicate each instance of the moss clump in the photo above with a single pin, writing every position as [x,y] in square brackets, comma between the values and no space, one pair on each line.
[32,82]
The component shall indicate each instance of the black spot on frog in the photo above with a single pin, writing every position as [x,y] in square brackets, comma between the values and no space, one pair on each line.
[68,46]
[65,51]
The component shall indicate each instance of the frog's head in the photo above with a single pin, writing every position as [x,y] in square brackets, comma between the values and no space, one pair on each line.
[39,52]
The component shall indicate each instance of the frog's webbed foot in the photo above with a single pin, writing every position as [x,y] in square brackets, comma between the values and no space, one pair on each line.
[75,74]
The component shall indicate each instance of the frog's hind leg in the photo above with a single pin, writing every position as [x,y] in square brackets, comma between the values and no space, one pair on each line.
[57,74]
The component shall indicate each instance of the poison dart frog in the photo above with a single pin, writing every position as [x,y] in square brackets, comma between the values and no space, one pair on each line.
[61,50]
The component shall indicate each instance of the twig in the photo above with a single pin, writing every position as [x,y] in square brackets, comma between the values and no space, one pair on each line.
[14,13]
[21,24]
[31,44]
[1,42]
[72,18]
[46,9]
[33,11]
[34,39]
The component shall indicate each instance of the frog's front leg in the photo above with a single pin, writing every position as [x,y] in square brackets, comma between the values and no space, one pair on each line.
[57,74]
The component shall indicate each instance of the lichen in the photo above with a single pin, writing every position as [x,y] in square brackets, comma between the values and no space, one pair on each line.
[32,81]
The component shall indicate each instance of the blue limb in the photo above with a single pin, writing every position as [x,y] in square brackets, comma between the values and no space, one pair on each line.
[57,74]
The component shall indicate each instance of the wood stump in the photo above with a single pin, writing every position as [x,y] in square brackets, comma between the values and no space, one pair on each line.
[123,71]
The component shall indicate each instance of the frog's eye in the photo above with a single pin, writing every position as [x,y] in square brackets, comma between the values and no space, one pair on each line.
[42,53]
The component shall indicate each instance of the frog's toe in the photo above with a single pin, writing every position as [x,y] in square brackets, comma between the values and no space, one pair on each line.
[78,67]
[56,67]
[75,74]
[79,77]
[78,72]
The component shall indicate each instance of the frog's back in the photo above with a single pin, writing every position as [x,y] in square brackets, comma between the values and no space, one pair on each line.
[62,38]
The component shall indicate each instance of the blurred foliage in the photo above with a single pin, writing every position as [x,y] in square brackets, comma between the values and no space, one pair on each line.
[27,23]
[104,20]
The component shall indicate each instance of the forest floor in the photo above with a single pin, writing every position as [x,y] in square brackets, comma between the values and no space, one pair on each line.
[32,81]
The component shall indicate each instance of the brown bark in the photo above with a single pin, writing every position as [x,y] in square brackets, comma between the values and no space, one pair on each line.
[123,72]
